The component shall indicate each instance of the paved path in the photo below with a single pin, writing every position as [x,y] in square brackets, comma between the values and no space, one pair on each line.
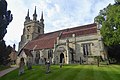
[2,73]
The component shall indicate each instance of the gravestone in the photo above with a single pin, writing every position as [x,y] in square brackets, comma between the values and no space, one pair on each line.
[29,64]
[47,67]
[21,66]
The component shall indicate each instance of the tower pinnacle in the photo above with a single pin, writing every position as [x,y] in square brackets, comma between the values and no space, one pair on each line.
[27,17]
[42,20]
[35,15]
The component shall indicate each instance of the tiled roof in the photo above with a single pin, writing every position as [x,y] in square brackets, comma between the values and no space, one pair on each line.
[47,40]
[86,30]
[43,41]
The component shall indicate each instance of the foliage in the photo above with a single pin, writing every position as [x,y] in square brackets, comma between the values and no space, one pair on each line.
[2,50]
[109,19]
[68,72]
[114,53]
[4,53]
[5,18]
[117,1]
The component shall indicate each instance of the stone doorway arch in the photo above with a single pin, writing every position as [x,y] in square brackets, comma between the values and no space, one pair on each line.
[61,51]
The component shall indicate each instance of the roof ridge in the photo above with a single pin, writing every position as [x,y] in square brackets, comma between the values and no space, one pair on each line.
[79,30]
[71,28]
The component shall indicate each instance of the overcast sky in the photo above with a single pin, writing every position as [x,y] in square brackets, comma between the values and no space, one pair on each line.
[58,14]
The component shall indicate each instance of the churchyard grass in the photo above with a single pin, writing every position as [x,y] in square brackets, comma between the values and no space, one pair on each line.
[68,72]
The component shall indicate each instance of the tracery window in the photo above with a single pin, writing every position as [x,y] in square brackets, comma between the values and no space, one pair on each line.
[86,49]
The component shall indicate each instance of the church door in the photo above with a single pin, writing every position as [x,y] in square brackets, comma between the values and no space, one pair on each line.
[61,57]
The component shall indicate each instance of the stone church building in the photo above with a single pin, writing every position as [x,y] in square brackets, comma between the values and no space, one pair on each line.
[80,44]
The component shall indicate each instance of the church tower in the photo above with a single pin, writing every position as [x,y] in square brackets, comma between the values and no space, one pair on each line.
[32,29]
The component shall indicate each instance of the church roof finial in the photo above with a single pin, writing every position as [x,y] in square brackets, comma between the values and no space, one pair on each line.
[42,20]
[14,46]
[28,13]
[27,17]
[35,14]
[35,10]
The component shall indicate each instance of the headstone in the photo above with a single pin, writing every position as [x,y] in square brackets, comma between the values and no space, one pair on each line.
[60,65]
[47,67]
[98,61]
[80,60]
[29,64]
[21,66]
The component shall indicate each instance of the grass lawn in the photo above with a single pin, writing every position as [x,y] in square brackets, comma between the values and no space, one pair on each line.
[68,72]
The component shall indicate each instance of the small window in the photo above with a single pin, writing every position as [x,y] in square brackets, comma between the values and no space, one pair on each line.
[28,36]
[38,30]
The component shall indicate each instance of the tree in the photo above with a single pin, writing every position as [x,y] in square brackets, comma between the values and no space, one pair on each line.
[4,53]
[109,19]
[5,18]
[117,1]
[2,50]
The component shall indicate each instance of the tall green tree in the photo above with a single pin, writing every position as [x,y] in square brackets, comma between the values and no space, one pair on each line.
[4,53]
[109,20]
